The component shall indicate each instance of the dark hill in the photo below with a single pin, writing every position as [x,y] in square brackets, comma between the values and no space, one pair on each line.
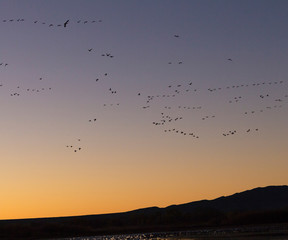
[257,206]
[258,199]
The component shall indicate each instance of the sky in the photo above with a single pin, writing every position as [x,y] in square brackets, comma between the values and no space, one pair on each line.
[139,103]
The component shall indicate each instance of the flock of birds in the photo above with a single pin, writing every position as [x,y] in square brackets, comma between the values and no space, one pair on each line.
[51,24]
[26,90]
[75,147]
[168,123]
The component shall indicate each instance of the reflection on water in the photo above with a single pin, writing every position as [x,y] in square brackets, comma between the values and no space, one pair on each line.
[148,237]
[236,238]
[263,232]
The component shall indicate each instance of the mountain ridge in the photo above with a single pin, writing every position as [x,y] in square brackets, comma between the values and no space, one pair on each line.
[262,205]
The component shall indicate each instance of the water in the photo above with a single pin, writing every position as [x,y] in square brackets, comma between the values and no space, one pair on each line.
[153,237]
[211,238]
[263,232]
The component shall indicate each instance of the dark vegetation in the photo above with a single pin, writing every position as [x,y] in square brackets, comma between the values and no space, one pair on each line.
[267,205]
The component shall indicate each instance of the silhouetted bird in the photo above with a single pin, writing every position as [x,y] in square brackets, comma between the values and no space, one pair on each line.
[65,24]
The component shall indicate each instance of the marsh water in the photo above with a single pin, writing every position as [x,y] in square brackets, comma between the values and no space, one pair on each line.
[141,237]
[193,238]
[263,232]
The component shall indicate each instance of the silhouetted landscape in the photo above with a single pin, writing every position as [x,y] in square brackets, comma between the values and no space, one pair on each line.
[115,113]
[259,206]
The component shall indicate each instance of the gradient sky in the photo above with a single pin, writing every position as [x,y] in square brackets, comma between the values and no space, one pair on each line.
[127,161]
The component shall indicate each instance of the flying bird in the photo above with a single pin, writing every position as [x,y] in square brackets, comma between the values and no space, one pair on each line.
[65,24]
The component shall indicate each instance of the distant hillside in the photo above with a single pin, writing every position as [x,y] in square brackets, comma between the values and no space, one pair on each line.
[257,206]
[258,199]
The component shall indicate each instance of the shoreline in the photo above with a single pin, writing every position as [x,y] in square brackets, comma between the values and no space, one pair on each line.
[235,232]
